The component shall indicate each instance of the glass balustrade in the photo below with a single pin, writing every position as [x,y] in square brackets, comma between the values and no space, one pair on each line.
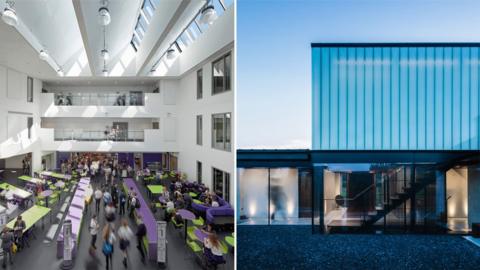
[99,99]
[98,135]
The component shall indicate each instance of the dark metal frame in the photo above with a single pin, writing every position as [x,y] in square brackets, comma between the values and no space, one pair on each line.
[315,159]
[402,44]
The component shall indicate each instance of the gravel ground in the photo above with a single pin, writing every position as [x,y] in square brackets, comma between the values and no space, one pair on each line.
[294,247]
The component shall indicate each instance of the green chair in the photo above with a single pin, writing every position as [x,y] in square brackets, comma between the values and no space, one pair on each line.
[191,233]
[176,225]
[194,246]
[40,201]
[199,221]
[223,247]
[197,201]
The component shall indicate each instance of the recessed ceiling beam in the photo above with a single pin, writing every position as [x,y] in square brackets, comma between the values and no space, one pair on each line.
[181,8]
[83,30]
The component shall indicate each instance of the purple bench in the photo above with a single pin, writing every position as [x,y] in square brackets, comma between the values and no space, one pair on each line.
[147,217]
[75,214]
[220,215]
[216,215]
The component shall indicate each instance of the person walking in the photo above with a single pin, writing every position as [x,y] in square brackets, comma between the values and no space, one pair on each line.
[122,199]
[110,214]
[124,234]
[133,204]
[107,197]
[108,242]
[94,227]
[7,242]
[98,197]
[18,228]
[141,232]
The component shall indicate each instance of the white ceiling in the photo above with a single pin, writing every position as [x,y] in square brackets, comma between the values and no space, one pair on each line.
[16,53]
[70,32]
[54,25]
[118,33]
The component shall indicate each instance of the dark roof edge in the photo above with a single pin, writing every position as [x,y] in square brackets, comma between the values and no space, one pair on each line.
[394,44]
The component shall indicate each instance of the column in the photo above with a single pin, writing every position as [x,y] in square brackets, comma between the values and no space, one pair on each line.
[473,181]
[317,199]
[440,198]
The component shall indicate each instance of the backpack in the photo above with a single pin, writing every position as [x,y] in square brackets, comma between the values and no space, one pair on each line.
[107,248]
[137,203]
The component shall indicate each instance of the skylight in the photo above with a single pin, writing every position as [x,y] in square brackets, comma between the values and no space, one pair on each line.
[193,30]
[143,20]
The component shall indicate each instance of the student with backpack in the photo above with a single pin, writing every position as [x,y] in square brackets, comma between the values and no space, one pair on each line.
[7,243]
[124,234]
[134,204]
[108,241]
[141,232]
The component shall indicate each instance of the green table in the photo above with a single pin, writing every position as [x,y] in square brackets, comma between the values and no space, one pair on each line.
[16,191]
[31,216]
[230,241]
[197,201]
[155,189]
[32,180]
[25,178]
[193,194]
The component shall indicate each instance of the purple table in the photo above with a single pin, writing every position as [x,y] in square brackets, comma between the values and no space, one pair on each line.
[186,215]
[60,184]
[162,200]
[46,193]
[78,202]
[75,212]
[84,181]
[80,193]
[200,234]
[147,217]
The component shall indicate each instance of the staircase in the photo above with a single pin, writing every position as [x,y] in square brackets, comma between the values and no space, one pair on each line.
[396,200]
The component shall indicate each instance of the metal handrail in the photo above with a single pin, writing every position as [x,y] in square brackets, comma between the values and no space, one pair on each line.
[98,135]
[360,193]
[99,99]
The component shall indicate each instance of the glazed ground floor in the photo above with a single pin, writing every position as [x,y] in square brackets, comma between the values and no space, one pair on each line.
[360,191]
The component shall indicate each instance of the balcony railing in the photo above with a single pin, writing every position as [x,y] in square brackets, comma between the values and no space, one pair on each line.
[98,99]
[97,135]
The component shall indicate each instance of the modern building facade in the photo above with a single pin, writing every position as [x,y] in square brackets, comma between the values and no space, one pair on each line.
[395,144]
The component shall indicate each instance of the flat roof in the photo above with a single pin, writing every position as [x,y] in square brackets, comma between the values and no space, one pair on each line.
[393,44]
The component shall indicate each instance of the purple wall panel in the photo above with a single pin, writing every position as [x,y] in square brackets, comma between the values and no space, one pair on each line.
[151,157]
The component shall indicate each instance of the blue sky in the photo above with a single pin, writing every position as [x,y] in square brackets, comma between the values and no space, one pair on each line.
[273,53]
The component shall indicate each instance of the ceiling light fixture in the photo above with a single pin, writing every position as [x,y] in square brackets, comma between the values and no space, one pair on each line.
[9,16]
[208,15]
[104,17]
[60,73]
[43,55]
[105,54]
[105,72]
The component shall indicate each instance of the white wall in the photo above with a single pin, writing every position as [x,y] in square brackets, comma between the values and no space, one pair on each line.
[14,109]
[188,107]
[14,162]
